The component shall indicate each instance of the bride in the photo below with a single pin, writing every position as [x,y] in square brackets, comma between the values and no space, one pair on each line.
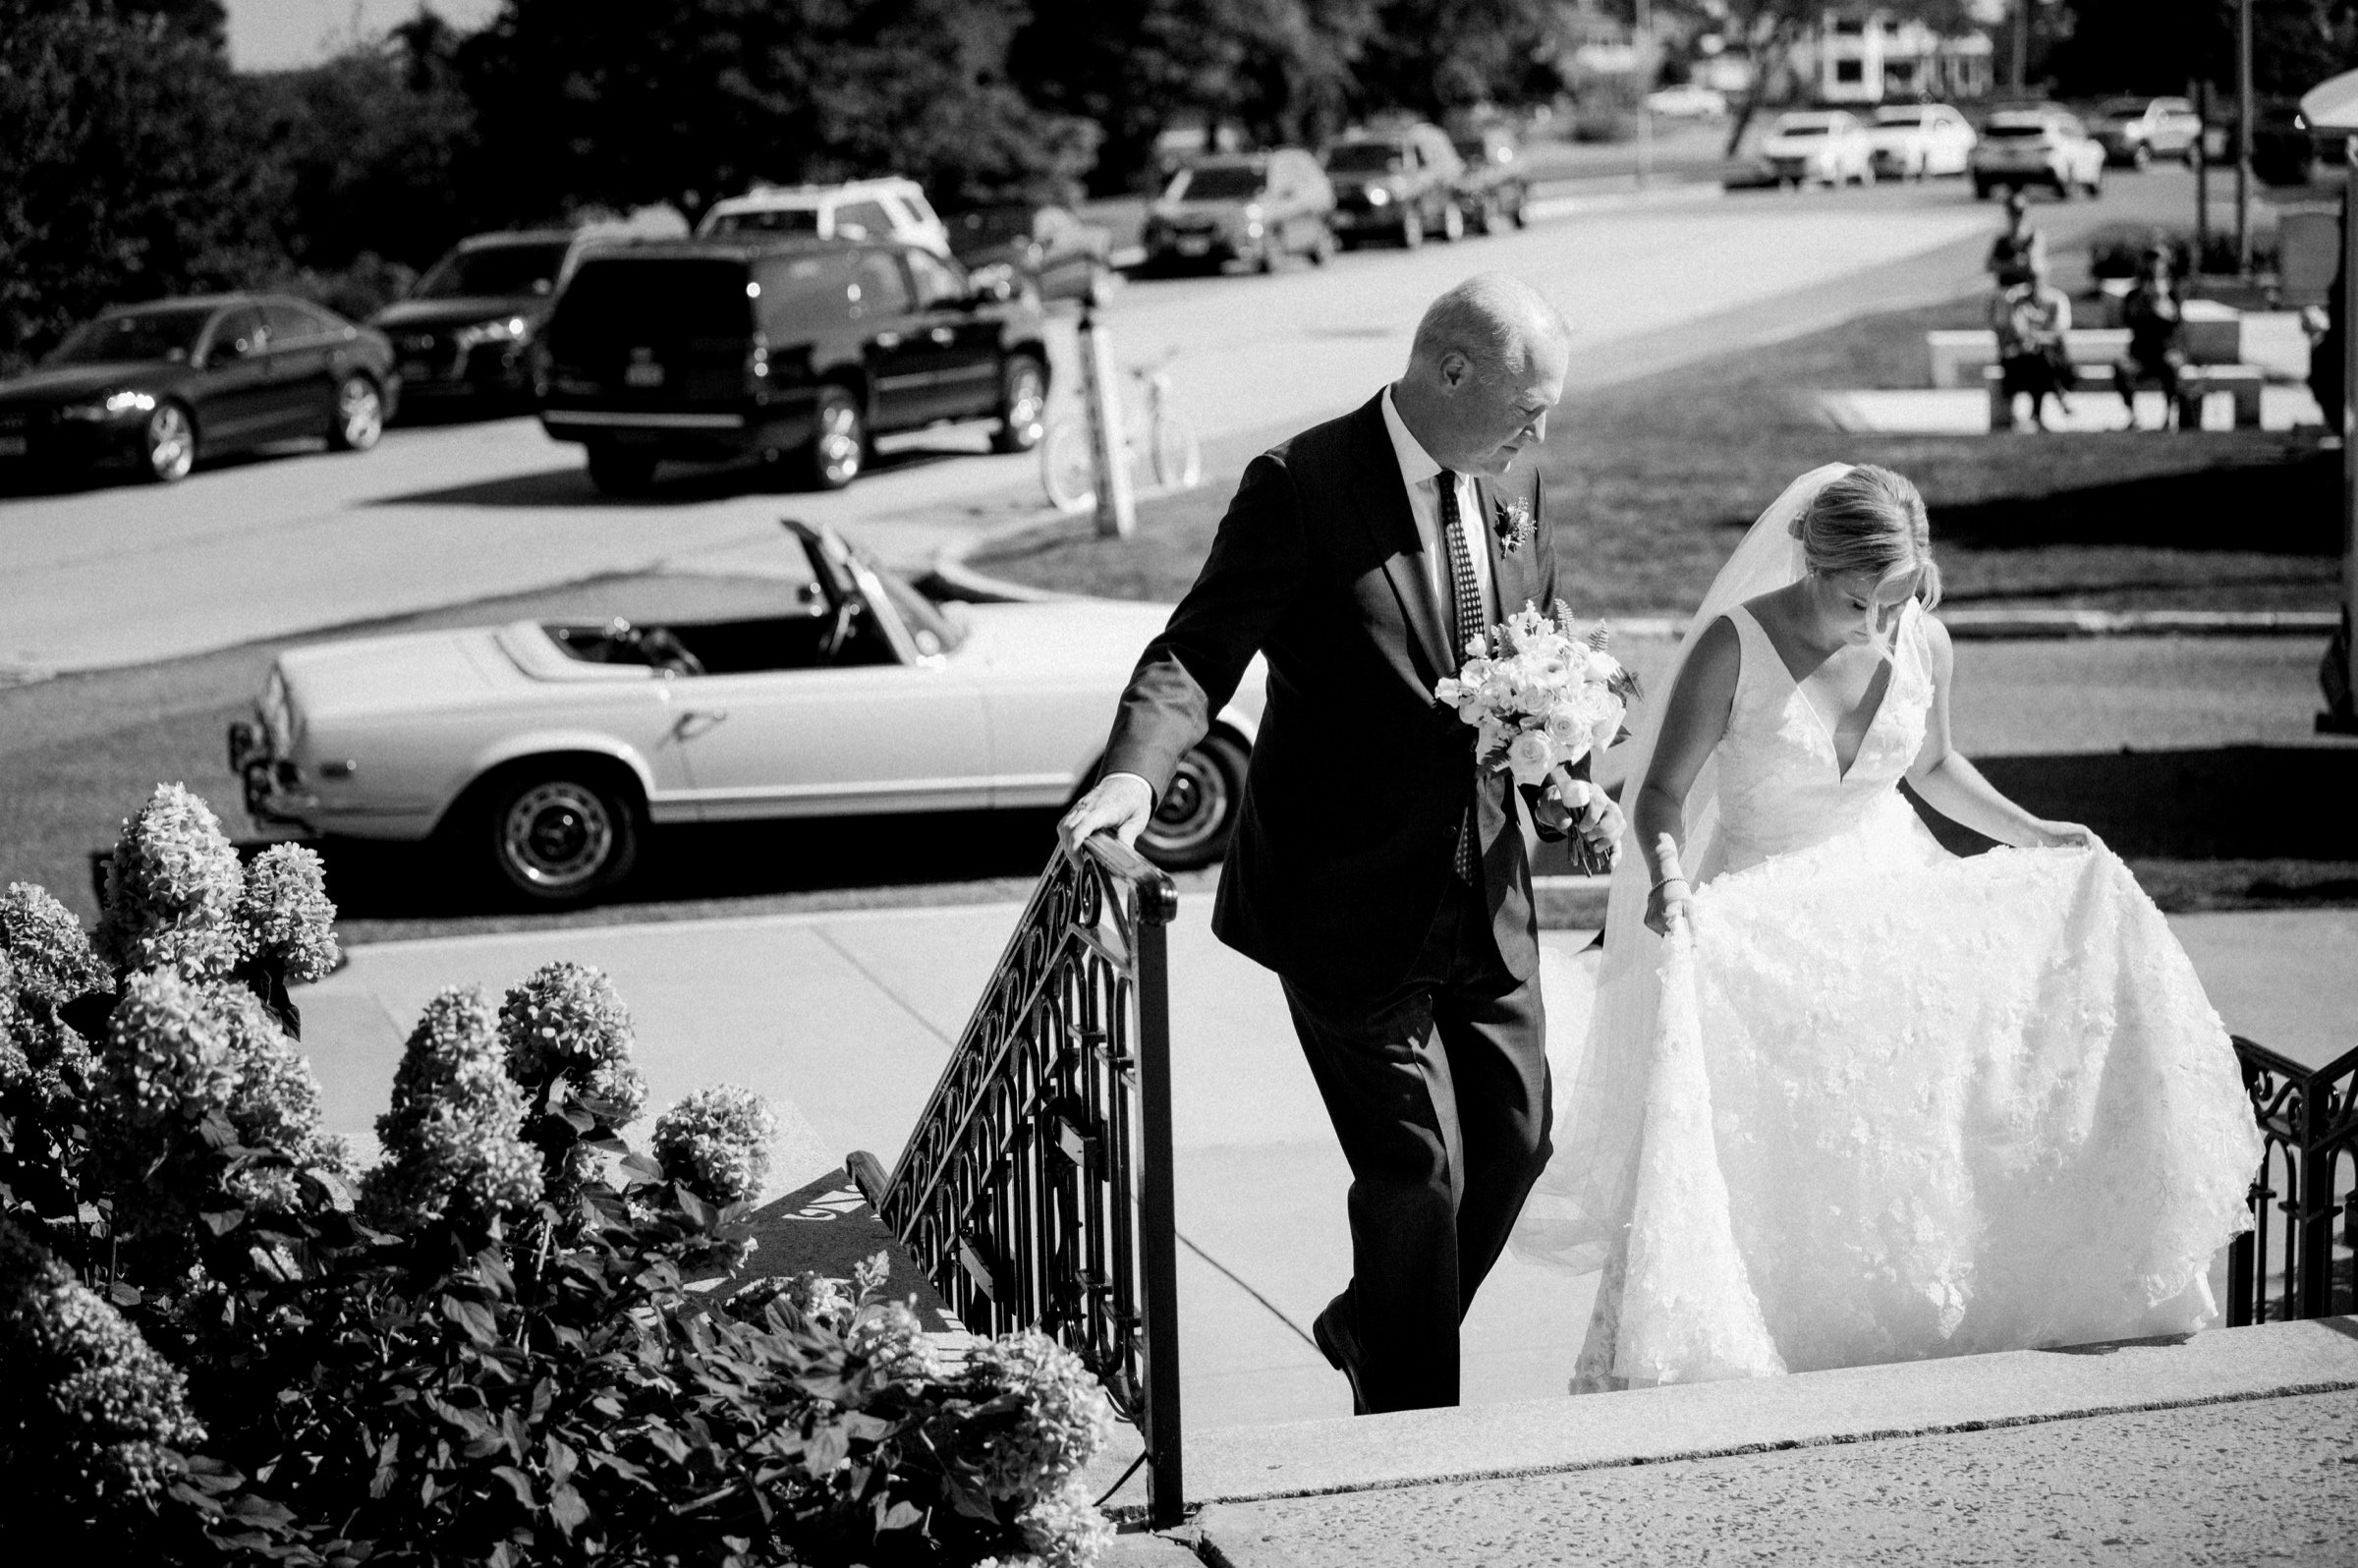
[1845,1098]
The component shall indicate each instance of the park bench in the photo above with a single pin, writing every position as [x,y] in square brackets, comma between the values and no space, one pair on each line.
[2213,335]
[2242,382]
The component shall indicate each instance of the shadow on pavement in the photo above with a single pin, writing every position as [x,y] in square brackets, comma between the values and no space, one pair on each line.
[676,484]
[2283,502]
[704,864]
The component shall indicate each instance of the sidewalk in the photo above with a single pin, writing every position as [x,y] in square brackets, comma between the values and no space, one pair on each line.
[844,1021]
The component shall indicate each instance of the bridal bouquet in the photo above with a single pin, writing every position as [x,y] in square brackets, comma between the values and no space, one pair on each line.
[1541,695]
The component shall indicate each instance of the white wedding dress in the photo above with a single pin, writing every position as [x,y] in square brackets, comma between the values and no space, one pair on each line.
[1876,1103]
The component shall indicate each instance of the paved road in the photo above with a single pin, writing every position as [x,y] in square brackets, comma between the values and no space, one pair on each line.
[116,575]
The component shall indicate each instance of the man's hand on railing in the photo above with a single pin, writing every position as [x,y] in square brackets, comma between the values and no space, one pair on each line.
[1121,802]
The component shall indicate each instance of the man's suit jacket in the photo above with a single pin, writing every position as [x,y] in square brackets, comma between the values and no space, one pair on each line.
[1346,836]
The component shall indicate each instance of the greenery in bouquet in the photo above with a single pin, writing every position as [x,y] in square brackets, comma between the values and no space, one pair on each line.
[512,1341]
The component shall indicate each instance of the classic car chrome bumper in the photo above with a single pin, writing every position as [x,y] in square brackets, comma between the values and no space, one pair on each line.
[274,785]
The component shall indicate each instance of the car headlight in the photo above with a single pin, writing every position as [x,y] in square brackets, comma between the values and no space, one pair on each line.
[507,329]
[114,407]
[1377,196]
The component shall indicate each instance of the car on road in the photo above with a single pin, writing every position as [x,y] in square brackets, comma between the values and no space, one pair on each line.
[888,208]
[1257,208]
[2041,146]
[1043,247]
[1687,101]
[158,386]
[1819,146]
[1495,188]
[464,333]
[539,753]
[795,351]
[2134,131]
[1398,184]
[1920,141]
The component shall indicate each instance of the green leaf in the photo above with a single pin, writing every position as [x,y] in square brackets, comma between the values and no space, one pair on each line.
[221,1221]
[900,1516]
[518,1483]
[473,1316]
[566,1507]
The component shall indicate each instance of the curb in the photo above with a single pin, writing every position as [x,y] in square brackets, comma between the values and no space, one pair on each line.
[949,567]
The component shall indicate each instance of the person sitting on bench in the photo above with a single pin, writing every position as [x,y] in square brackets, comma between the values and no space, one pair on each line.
[2029,320]
[2155,317]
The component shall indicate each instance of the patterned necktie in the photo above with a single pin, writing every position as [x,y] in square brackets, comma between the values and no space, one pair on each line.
[1466,615]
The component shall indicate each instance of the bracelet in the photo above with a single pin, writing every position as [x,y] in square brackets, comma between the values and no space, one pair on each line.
[1666,882]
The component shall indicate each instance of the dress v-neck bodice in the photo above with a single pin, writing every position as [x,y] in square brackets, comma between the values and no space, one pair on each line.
[1782,786]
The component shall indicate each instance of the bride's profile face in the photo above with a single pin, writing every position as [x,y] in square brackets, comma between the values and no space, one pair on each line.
[1858,606]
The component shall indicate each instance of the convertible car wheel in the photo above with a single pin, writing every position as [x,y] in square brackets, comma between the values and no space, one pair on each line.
[1192,821]
[561,837]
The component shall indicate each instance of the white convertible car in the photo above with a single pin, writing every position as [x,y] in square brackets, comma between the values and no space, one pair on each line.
[541,750]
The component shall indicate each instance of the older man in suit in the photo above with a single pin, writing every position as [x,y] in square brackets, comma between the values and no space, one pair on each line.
[1373,865]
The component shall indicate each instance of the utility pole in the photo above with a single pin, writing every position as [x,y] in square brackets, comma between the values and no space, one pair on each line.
[2244,114]
[1641,59]
[2022,44]
[2202,177]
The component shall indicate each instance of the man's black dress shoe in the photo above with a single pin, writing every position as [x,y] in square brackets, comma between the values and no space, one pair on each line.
[1339,1344]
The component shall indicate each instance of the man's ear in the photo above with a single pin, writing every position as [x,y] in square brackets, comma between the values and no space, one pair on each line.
[1456,369]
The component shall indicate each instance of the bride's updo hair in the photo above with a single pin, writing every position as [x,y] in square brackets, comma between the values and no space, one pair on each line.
[1869,521]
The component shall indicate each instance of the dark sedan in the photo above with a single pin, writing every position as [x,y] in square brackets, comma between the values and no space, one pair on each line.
[1041,246]
[465,333]
[158,385]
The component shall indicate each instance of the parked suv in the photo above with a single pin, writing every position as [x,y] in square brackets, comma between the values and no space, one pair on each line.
[1494,188]
[890,208]
[1254,207]
[794,350]
[2044,146]
[466,330]
[1397,184]
[2135,130]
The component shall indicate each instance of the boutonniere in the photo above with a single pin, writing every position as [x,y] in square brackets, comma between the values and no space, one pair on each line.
[1512,521]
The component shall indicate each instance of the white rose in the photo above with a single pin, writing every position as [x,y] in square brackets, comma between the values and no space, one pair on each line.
[1530,756]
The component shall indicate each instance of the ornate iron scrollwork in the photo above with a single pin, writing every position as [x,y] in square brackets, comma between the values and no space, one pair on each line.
[2291,1264]
[1036,1189]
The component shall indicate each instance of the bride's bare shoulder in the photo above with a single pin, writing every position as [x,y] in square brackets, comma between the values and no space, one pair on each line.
[1717,657]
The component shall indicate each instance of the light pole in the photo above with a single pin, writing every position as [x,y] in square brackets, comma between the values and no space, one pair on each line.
[1638,56]
[2243,138]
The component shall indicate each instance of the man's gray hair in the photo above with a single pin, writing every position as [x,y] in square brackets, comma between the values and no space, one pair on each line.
[1492,319]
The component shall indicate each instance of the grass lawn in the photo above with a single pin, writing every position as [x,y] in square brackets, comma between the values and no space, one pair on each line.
[1651,483]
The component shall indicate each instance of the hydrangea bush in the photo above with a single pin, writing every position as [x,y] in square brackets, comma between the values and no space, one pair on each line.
[217,1343]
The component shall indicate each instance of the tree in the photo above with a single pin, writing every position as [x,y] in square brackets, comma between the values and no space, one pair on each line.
[598,101]
[1280,70]
[2162,45]
[126,169]
[375,154]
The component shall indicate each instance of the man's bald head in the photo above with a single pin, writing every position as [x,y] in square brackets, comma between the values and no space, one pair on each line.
[1495,322]
[1488,365]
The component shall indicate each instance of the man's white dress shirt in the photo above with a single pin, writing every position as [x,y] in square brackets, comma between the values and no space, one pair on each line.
[1421,477]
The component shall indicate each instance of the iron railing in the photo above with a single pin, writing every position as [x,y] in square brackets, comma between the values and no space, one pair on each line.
[2290,1264]
[1036,1189]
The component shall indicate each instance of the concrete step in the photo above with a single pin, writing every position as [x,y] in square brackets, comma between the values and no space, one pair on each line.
[1299,1493]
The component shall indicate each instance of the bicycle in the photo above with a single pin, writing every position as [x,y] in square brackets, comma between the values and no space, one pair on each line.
[1172,456]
